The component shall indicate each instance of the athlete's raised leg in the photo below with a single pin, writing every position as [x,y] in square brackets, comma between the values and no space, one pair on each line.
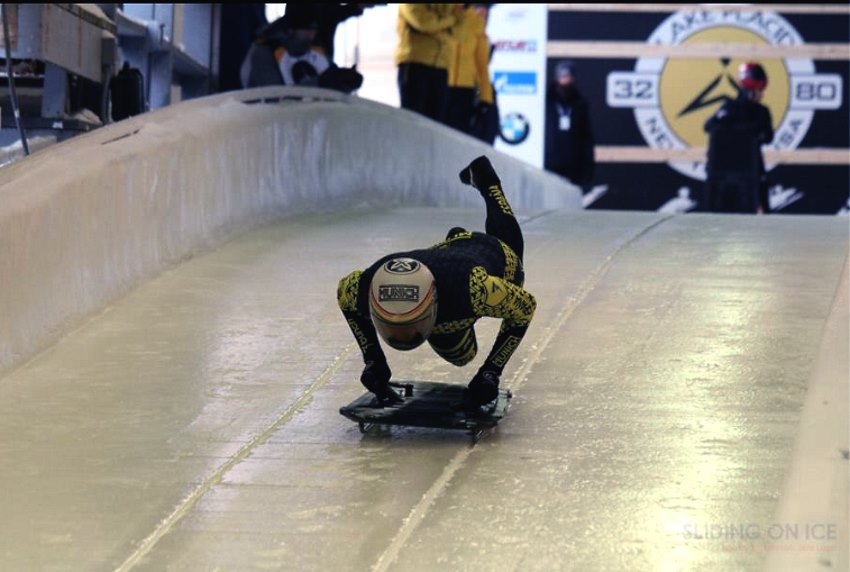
[501,221]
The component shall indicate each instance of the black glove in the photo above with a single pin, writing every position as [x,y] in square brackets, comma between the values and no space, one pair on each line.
[483,389]
[479,173]
[376,378]
[482,108]
[341,79]
[479,114]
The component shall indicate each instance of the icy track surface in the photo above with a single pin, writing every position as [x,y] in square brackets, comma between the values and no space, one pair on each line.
[193,425]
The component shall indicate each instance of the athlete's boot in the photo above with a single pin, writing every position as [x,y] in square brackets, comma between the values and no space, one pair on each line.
[480,174]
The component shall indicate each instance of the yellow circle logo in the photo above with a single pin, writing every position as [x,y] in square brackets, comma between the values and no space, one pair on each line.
[673,97]
[691,91]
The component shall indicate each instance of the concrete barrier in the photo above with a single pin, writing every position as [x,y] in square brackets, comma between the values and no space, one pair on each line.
[85,221]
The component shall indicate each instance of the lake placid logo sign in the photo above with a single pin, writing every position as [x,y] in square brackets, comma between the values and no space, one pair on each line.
[673,97]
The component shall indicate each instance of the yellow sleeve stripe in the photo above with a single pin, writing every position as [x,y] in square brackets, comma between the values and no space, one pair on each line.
[346,291]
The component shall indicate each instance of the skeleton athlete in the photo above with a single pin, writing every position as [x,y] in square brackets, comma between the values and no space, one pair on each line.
[437,294]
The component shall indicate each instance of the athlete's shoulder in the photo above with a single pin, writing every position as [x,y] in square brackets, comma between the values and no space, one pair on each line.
[496,297]
[347,290]
[485,290]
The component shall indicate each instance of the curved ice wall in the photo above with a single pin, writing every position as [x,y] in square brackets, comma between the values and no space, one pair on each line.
[88,219]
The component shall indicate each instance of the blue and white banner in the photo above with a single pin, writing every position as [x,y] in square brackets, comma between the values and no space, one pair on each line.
[518,71]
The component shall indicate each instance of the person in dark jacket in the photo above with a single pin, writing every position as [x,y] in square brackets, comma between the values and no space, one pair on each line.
[736,179]
[569,146]
[285,53]
[259,66]
[437,294]
[329,17]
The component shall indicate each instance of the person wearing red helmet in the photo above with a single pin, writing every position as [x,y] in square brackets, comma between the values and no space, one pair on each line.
[753,78]
[736,175]
[437,294]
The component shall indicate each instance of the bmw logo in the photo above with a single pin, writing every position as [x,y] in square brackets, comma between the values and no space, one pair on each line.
[514,128]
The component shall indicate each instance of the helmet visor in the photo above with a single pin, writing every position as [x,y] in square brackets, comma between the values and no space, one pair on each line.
[409,335]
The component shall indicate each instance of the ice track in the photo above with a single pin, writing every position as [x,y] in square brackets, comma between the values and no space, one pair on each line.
[662,410]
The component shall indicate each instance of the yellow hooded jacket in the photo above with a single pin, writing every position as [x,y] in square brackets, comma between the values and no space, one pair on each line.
[470,66]
[425,34]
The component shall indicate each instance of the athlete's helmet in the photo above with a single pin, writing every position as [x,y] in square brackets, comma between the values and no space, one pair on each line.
[403,302]
[752,76]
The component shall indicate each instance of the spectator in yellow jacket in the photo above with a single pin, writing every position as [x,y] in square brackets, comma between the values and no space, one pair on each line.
[470,89]
[423,55]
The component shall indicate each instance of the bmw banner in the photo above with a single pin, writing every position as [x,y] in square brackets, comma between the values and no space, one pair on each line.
[518,72]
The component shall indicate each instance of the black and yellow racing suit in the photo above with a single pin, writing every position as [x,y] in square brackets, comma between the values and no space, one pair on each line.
[476,275]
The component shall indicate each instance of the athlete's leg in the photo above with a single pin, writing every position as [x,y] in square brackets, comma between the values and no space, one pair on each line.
[501,222]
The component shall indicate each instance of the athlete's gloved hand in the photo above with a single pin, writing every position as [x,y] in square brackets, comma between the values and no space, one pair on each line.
[479,173]
[376,378]
[341,79]
[483,388]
